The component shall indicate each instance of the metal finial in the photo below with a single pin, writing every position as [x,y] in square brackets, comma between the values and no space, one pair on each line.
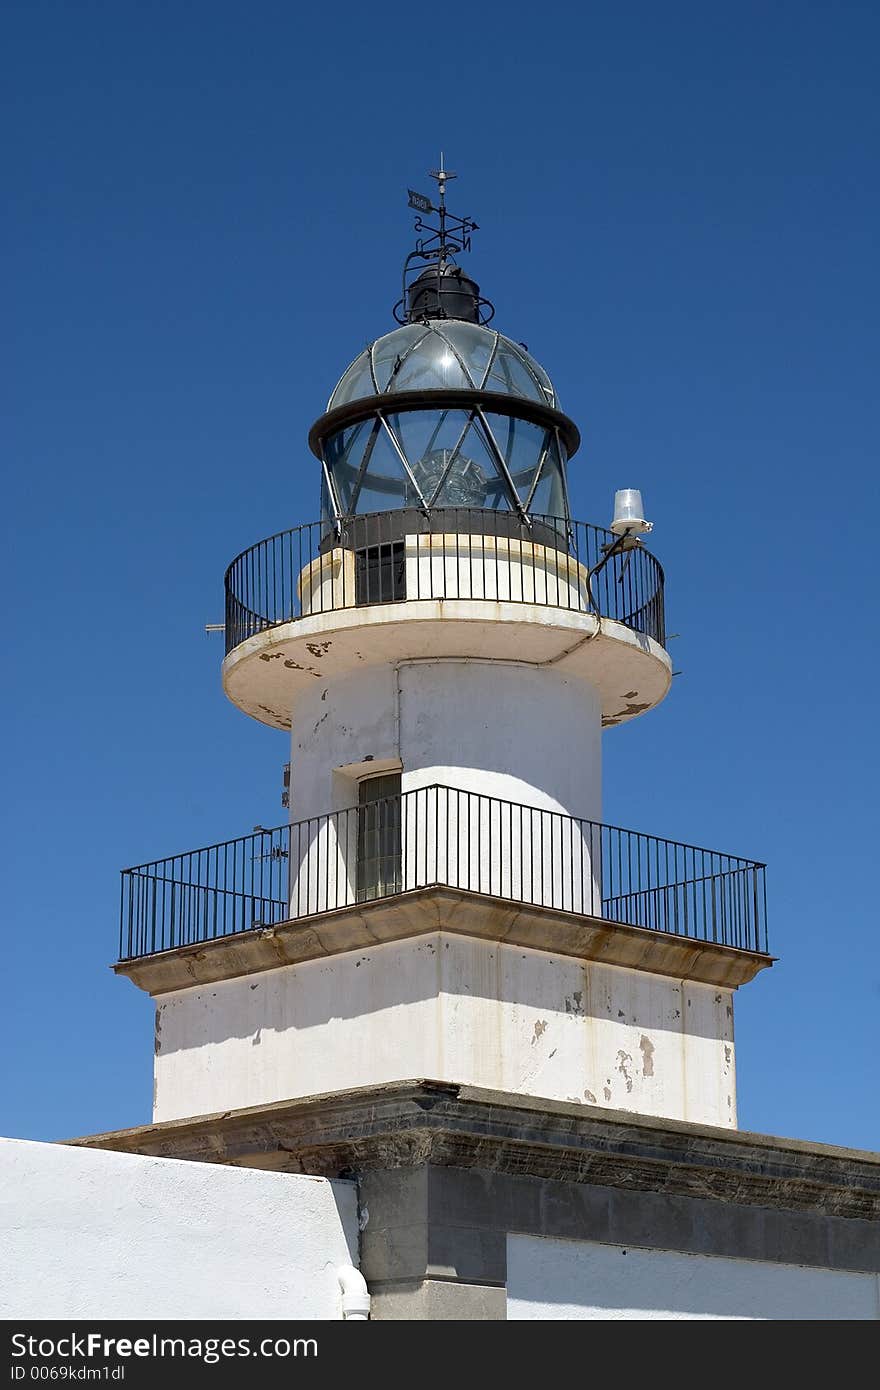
[442,175]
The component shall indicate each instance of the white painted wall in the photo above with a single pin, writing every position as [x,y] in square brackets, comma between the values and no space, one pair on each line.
[86,1233]
[510,734]
[339,723]
[582,1281]
[450,1008]
[458,566]
[505,730]
[499,728]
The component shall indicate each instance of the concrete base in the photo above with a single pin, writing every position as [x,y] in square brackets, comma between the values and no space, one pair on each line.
[432,1300]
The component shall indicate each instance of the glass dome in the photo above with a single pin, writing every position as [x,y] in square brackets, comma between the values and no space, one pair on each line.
[444,354]
[444,414]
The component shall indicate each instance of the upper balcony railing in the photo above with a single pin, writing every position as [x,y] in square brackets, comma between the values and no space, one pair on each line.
[438,835]
[453,553]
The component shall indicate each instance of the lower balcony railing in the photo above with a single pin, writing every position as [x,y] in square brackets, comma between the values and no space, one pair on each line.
[442,835]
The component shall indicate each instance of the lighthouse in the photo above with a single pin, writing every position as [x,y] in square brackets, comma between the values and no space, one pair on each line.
[446,647]
[496,1027]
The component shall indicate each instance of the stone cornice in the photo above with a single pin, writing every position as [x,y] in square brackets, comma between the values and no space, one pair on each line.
[454,910]
[409,1124]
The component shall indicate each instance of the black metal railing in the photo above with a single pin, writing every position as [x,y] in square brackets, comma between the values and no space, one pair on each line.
[455,553]
[443,835]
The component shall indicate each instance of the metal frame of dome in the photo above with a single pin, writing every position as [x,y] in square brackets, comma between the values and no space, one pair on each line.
[458,353]
[477,407]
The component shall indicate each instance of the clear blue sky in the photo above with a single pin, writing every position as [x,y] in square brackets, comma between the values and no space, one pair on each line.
[204,221]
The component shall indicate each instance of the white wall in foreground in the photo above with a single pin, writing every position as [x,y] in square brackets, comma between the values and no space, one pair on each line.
[582,1281]
[85,1233]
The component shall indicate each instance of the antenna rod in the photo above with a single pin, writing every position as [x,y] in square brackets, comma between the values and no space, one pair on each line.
[441,175]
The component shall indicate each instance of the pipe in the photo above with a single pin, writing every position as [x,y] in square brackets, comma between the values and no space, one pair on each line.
[355,1294]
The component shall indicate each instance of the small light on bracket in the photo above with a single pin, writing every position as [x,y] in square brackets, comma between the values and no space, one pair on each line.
[629,513]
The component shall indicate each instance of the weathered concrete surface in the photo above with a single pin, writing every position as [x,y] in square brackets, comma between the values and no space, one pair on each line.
[433,1300]
[463,1010]
[417,1123]
[451,910]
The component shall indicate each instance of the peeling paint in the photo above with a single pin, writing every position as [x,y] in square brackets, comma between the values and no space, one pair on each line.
[588,1095]
[624,1062]
[628,709]
[540,1027]
[647,1050]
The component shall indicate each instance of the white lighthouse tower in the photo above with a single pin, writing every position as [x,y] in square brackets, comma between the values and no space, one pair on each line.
[445,647]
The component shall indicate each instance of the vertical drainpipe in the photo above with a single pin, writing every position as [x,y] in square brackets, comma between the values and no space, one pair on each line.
[355,1294]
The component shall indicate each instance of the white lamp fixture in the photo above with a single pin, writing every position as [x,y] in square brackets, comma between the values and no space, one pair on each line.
[629,513]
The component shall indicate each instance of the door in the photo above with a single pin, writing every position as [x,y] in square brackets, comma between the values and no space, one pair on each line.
[379,837]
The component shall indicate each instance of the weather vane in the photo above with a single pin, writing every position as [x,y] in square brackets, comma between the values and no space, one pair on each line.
[453,235]
[437,243]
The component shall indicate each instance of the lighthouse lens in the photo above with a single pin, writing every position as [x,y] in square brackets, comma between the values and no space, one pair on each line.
[446,458]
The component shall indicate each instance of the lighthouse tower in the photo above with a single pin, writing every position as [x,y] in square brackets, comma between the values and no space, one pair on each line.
[445,648]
